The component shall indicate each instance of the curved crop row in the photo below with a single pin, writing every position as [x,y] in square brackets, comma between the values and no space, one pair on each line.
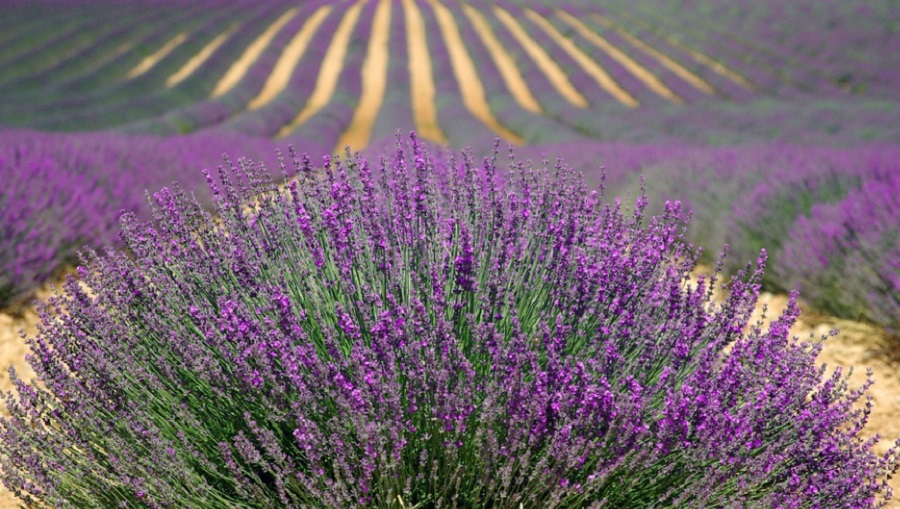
[508,93]
[796,202]
[65,192]
[845,256]
[110,98]
[244,68]
[838,53]
[43,225]
[141,31]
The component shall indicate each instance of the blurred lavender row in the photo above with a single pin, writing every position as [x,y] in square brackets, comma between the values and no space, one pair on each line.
[826,46]
[845,256]
[828,216]
[66,191]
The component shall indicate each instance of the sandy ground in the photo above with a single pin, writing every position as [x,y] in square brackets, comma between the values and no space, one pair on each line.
[374,82]
[858,345]
[12,353]
[242,65]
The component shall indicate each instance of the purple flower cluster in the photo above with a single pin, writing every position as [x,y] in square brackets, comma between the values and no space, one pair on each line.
[66,191]
[845,256]
[422,332]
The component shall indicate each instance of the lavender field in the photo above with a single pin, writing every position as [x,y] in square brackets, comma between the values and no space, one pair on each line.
[244,282]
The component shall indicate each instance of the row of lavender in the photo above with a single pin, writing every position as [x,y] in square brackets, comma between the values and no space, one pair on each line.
[806,45]
[64,192]
[424,331]
[828,216]
[86,89]
[763,105]
[94,91]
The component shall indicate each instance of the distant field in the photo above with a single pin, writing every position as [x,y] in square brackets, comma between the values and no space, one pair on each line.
[352,72]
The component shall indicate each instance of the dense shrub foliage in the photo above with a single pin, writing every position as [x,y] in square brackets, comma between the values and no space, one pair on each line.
[421,332]
[62,192]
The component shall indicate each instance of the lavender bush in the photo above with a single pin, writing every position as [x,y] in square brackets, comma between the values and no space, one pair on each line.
[827,215]
[408,333]
[846,256]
